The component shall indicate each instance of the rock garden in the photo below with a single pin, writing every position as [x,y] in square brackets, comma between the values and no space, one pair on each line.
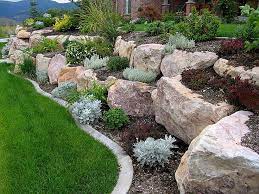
[181,102]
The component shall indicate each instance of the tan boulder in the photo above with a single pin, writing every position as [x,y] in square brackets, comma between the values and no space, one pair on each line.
[86,79]
[147,57]
[70,74]
[133,97]
[42,65]
[216,162]
[184,113]
[56,64]
[17,44]
[175,63]
[23,34]
[35,39]
[123,48]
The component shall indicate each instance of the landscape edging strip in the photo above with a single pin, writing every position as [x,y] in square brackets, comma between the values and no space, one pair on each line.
[126,169]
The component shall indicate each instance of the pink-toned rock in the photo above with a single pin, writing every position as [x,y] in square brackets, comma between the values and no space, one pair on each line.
[35,39]
[184,113]
[70,74]
[56,64]
[133,97]
[216,162]
[86,79]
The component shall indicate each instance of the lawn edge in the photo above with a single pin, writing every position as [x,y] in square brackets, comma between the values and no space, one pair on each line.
[126,169]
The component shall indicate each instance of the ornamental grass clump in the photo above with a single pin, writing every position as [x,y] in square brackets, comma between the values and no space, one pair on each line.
[87,110]
[64,90]
[47,45]
[178,41]
[28,67]
[95,62]
[153,152]
[139,75]
[115,118]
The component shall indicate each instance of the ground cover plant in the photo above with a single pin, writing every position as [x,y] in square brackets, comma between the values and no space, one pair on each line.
[115,118]
[41,143]
[117,63]
[47,45]
[139,75]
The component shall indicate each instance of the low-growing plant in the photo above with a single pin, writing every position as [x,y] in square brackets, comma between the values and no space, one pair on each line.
[86,110]
[178,41]
[64,24]
[252,46]
[38,25]
[47,45]
[117,63]
[28,67]
[48,21]
[231,46]
[139,75]
[115,118]
[195,79]
[95,62]
[153,152]
[129,27]
[155,28]
[28,22]
[98,91]
[64,90]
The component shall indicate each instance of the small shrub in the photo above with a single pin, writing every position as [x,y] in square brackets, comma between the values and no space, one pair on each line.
[245,94]
[178,41]
[28,67]
[154,152]
[38,25]
[28,22]
[129,27]
[101,47]
[86,110]
[64,90]
[139,75]
[98,91]
[231,46]
[117,63]
[227,9]
[115,118]
[252,46]
[47,45]
[195,79]
[48,21]
[155,28]
[64,24]
[95,62]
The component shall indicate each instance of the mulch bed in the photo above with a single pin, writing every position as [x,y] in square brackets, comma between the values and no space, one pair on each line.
[211,46]
[103,73]
[251,139]
[146,179]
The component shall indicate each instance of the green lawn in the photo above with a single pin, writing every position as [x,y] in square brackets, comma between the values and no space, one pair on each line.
[41,148]
[1,46]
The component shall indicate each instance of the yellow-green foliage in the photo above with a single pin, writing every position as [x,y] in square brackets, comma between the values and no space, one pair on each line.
[63,24]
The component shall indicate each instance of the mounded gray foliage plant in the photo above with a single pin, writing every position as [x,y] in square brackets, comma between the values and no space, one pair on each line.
[139,75]
[95,62]
[64,90]
[153,152]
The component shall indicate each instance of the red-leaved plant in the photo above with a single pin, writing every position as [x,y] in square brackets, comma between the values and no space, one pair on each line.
[231,46]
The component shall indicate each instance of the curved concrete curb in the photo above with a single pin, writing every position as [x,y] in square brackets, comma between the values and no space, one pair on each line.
[126,168]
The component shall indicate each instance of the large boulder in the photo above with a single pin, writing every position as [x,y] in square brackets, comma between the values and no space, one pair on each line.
[56,64]
[70,74]
[216,162]
[42,65]
[18,44]
[35,39]
[147,57]
[17,57]
[124,48]
[184,113]
[175,63]
[86,79]
[133,97]
[223,68]
[42,31]
[23,34]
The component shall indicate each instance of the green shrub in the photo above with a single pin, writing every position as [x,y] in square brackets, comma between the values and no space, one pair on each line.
[28,67]
[57,12]
[117,63]
[98,91]
[38,25]
[47,45]
[64,24]
[139,75]
[28,22]
[199,27]
[155,28]
[227,9]
[252,46]
[129,27]
[115,118]
[101,47]
[48,21]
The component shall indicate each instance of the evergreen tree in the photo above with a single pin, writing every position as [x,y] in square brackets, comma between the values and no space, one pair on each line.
[33,8]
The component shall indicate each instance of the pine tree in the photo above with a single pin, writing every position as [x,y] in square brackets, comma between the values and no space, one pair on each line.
[33,8]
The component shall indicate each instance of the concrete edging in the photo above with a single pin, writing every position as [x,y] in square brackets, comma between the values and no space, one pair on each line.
[126,169]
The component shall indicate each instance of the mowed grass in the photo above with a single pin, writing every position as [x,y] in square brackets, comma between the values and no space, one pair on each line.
[41,148]
[229,30]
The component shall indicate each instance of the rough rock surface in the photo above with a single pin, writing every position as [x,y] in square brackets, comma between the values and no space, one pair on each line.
[216,162]
[35,39]
[133,97]
[175,63]
[70,74]
[86,79]
[17,57]
[23,34]
[184,113]
[147,57]
[42,64]
[42,31]
[124,48]
[18,44]
[56,64]
[222,68]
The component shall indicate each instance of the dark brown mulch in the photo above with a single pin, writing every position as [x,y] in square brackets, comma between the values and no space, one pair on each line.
[249,60]
[251,139]
[143,38]
[103,74]
[48,87]
[146,179]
